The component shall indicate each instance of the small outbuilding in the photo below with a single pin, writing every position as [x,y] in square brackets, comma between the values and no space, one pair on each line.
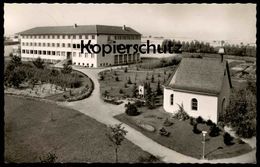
[202,85]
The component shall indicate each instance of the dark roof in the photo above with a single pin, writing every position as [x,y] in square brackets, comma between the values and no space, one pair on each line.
[199,75]
[80,29]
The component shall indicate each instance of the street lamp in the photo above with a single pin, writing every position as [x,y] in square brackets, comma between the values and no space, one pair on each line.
[203,144]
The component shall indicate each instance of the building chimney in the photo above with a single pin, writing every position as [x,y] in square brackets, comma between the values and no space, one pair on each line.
[75,25]
[124,27]
[221,51]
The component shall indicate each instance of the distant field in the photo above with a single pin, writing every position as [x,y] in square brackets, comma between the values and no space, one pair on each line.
[31,131]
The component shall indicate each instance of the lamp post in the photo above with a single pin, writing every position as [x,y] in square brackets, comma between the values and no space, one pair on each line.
[203,144]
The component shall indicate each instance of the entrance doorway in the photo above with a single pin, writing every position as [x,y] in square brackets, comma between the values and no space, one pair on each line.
[68,55]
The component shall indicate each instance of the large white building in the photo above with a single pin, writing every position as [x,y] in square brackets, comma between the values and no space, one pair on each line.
[63,42]
[201,85]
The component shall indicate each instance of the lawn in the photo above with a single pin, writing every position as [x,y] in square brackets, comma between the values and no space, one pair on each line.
[182,139]
[34,128]
[139,77]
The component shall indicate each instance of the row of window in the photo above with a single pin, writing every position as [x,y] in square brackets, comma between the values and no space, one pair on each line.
[58,36]
[110,37]
[51,44]
[194,103]
[119,59]
[43,52]
[83,64]
[80,55]
[54,53]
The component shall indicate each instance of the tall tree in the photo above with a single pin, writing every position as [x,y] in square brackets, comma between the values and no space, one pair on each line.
[39,63]
[116,135]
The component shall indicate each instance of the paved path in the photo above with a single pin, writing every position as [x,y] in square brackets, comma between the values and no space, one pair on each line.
[103,112]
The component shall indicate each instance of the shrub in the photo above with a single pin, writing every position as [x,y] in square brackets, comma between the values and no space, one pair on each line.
[192,121]
[240,141]
[228,139]
[209,122]
[121,91]
[167,122]
[196,130]
[214,131]
[129,81]
[150,158]
[117,79]
[131,110]
[200,120]
[181,114]
[221,124]
[164,132]
[139,103]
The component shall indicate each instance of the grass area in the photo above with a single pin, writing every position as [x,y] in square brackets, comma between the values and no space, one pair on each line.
[139,77]
[182,139]
[33,128]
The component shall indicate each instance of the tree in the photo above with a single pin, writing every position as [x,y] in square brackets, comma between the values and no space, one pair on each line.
[16,61]
[67,69]
[129,81]
[16,77]
[135,91]
[39,63]
[116,135]
[159,90]
[152,79]
[241,112]
[131,109]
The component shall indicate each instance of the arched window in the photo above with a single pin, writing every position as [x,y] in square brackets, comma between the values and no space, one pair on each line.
[171,99]
[194,104]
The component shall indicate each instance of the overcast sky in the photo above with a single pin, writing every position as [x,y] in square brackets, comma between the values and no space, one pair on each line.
[192,21]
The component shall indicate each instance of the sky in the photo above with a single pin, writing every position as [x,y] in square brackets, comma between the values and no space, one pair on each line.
[235,22]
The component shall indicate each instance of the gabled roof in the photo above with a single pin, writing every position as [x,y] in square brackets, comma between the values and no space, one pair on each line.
[199,75]
[80,29]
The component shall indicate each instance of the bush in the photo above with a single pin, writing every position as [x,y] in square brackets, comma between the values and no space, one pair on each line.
[117,79]
[167,122]
[121,91]
[139,103]
[221,124]
[228,139]
[209,122]
[192,121]
[214,131]
[164,132]
[240,141]
[131,110]
[129,81]
[196,130]
[181,114]
[200,120]
[150,158]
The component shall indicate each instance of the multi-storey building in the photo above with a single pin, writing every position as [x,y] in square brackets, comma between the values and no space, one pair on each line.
[63,42]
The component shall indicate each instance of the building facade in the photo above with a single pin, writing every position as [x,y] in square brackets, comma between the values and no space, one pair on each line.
[63,42]
[202,86]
